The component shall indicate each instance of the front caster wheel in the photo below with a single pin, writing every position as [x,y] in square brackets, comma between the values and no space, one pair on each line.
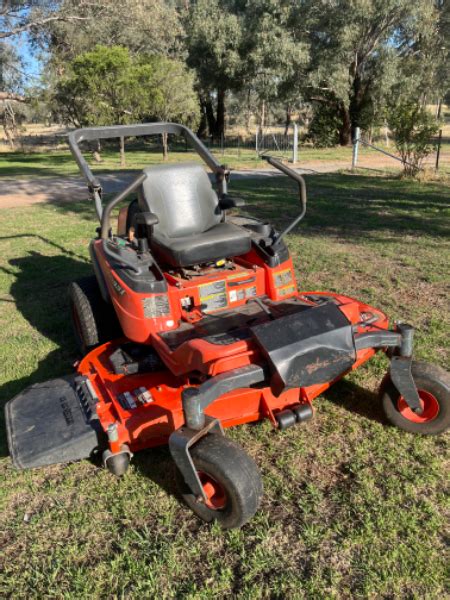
[117,463]
[433,386]
[230,479]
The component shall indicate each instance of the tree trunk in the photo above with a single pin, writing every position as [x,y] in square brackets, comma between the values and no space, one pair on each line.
[211,119]
[8,135]
[288,119]
[122,152]
[345,130]
[165,146]
[220,119]
[263,116]
[202,129]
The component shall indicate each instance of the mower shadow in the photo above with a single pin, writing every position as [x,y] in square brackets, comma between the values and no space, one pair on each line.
[39,292]
[356,400]
[157,465]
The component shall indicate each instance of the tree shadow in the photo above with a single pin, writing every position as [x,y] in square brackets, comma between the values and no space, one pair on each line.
[352,206]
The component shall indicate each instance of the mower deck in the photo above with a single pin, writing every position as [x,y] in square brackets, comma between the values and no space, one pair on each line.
[127,384]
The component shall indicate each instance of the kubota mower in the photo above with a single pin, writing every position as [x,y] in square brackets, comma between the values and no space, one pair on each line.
[193,322]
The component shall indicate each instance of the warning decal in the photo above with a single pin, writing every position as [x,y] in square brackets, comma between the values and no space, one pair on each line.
[213,296]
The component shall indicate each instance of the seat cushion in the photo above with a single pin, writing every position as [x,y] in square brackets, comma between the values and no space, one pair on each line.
[182,197]
[221,241]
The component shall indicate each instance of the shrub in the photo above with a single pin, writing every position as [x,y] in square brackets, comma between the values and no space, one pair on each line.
[323,130]
[412,127]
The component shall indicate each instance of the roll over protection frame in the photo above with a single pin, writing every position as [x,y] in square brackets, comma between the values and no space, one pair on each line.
[117,131]
[301,192]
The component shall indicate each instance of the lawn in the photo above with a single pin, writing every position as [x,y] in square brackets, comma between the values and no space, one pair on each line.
[352,508]
[60,163]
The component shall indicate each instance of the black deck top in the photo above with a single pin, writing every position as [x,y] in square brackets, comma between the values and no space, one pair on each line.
[228,327]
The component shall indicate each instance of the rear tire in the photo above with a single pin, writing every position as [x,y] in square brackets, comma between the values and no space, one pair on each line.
[230,478]
[433,385]
[94,321]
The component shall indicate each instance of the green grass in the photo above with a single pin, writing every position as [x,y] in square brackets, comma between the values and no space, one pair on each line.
[352,508]
[59,163]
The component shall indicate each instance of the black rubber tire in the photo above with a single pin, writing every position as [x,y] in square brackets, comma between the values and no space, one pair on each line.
[236,472]
[430,378]
[94,320]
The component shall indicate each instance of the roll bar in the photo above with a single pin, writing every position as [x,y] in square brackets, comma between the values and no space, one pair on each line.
[117,131]
[275,162]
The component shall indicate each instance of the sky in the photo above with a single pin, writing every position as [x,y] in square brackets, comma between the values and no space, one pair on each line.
[32,63]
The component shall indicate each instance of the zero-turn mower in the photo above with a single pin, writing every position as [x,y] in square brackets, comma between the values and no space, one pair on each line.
[193,322]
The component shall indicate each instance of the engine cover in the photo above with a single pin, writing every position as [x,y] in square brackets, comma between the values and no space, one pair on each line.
[306,348]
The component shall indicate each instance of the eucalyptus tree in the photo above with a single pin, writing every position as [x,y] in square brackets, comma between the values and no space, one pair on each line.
[362,49]
[213,40]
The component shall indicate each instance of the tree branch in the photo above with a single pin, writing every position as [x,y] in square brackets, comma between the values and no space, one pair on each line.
[27,26]
[11,96]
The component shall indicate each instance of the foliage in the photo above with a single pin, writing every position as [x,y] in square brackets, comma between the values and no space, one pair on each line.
[109,86]
[270,56]
[362,49]
[323,129]
[213,39]
[142,26]
[274,56]
[412,127]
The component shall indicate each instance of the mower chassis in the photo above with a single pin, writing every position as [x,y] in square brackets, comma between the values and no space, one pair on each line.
[72,418]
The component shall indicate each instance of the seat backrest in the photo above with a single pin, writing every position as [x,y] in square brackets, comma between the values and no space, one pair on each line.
[182,197]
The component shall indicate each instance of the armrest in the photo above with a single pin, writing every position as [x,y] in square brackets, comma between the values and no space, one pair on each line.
[227,202]
[146,218]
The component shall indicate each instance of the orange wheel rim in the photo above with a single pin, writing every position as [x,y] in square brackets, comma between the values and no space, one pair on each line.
[216,497]
[430,408]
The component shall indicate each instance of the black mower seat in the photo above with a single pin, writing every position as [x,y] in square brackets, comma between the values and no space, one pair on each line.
[191,229]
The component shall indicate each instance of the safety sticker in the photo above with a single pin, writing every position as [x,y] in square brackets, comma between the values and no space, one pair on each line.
[283,277]
[289,289]
[213,296]
[156,306]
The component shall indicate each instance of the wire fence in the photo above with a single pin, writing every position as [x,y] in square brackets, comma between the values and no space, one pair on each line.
[258,142]
[439,153]
[374,152]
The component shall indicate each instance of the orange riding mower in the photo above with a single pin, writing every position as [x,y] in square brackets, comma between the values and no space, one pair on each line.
[192,322]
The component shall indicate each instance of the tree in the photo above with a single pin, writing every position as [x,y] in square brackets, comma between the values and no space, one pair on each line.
[273,55]
[213,37]
[412,127]
[145,27]
[21,17]
[359,51]
[10,84]
[108,86]
[175,98]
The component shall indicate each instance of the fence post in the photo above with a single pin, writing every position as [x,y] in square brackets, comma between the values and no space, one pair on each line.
[295,149]
[256,141]
[438,153]
[355,147]
[238,145]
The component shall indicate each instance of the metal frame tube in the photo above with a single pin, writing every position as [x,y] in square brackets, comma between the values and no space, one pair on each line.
[302,194]
[105,219]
